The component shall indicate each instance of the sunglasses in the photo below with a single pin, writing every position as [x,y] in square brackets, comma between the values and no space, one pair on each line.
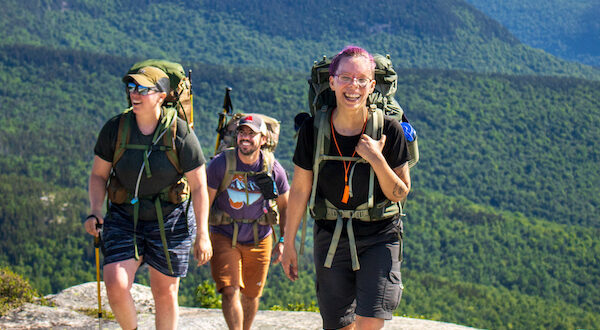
[142,90]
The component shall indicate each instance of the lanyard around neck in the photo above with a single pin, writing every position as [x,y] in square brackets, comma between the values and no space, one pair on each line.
[346,194]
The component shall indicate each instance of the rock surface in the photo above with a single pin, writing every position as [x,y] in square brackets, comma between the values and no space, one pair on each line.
[68,306]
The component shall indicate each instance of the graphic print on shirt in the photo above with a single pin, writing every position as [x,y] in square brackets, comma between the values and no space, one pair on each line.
[237,192]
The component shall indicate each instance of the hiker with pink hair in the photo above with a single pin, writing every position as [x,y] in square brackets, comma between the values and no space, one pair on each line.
[357,256]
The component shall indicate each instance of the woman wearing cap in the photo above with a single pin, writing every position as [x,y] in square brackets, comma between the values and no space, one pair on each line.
[132,232]
[351,294]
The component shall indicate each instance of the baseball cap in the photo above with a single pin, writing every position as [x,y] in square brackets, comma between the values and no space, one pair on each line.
[150,76]
[255,123]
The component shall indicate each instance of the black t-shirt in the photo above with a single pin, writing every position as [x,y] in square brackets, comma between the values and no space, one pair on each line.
[163,172]
[331,176]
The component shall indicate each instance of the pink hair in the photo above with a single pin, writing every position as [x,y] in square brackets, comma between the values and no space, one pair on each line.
[349,51]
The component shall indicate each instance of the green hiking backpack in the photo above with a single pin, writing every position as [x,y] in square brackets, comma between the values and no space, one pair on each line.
[177,104]
[226,144]
[321,100]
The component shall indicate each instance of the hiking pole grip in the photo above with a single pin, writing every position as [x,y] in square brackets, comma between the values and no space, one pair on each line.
[97,241]
[97,238]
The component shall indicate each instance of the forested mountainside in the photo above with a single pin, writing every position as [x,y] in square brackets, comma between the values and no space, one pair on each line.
[482,223]
[447,34]
[502,221]
[568,29]
[491,138]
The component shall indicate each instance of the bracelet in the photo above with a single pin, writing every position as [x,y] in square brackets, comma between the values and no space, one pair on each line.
[92,216]
[281,239]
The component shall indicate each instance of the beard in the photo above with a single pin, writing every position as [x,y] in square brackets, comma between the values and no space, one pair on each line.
[247,150]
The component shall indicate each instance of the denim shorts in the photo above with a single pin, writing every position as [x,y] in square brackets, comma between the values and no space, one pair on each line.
[180,232]
[374,290]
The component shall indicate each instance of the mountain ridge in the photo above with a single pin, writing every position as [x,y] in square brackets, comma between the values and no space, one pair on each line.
[563,28]
[447,34]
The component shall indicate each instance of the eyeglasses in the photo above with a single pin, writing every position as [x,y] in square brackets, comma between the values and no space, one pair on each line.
[142,90]
[345,79]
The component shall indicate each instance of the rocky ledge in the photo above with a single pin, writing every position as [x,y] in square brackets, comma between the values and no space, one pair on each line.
[70,304]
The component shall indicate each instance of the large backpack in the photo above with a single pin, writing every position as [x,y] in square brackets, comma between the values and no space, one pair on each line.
[177,104]
[226,144]
[321,100]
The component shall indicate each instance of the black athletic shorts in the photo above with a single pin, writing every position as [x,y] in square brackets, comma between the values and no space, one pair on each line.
[180,232]
[372,291]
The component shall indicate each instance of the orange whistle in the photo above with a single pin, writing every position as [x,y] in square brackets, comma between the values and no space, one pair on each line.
[346,194]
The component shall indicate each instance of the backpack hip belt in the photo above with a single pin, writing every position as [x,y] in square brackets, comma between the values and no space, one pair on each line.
[381,211]
[218,217]
[332,214]
[176,193]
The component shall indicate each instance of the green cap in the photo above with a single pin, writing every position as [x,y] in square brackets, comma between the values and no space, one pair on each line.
[150,76]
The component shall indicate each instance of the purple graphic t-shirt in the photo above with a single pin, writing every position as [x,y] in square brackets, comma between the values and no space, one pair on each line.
[234,200]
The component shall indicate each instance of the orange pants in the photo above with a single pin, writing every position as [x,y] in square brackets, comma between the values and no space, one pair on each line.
[244,266]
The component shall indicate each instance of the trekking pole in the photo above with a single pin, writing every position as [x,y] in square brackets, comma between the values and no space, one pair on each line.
[227,110]
[97,248]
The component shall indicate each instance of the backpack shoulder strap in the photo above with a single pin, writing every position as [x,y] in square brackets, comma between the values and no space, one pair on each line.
[230,166]
[268,160]
[374,129]
[322,138]
[374,126]
[123,134]
[169,138]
